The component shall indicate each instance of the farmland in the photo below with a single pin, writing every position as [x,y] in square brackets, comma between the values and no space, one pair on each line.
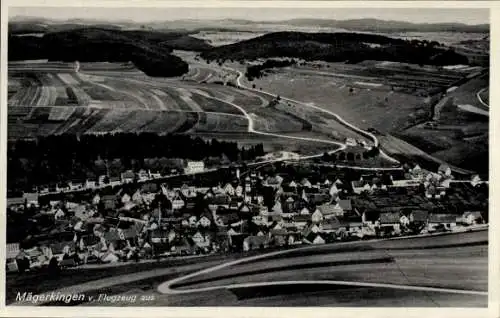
[99,98]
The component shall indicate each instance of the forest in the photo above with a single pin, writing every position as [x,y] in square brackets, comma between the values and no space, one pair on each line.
[150,51]
[53,159]
[335,47]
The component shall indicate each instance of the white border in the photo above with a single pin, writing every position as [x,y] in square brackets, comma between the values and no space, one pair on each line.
[494,261]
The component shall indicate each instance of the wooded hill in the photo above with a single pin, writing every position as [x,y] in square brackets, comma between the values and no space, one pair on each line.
[336,47]
[149,51]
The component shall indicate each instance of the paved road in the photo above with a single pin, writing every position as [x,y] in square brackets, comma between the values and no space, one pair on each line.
[419,271]
[340,119]
[429,271]
[480,99]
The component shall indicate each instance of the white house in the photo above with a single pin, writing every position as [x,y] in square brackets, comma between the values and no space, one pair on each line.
[317,216]
[306,183]
[126,198]
[334,190]
[318,240]
[476,180]
[304,211]
[292,184]
[96,199]
[351,142]
[177,203]
[192,220]
[59,214]
[194,167]
[90,184]
[239,191]
[277,207]
[201,240]
[204,221]
[229,189]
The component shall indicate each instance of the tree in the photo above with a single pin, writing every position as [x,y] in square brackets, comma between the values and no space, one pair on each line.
[350,156]
[358,156]
[342,156]
[326,157]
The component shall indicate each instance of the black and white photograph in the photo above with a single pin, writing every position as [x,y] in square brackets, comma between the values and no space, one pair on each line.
[247,157]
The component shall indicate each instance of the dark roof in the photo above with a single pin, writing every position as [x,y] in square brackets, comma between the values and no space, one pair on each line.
[388,218]
[420,216]
[277,232]
[302,217]
[256,241]
[149,187]
[128,174]
[331,224]
[345,205]
[442,218]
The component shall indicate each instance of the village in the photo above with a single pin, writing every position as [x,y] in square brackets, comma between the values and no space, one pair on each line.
[251,210]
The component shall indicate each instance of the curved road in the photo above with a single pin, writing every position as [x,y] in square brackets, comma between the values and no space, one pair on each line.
[340,119]
[478,94]
[438,269]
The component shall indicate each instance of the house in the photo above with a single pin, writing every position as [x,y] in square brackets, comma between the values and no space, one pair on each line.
[239,191]
[178,202]
[154,175]
[200,240]
[273,182]
[255,242]
[419,216]
[306,183]
[351,142]
[204,221]
[126,198]
[471,218]
[149,187]
[115,181]
[96,199]
[143,175]
[331,225]
[444,169]
[317,217]
[292,184]
[304,211]
[76,184]
[390,222]
[436,220]
[229,189]
[109,202]
[103,179]
[301,220]
[333,190]
[327,182]
[194,167]
[91,184]
[277,208]
[128,176]
[59,214]
[331,210]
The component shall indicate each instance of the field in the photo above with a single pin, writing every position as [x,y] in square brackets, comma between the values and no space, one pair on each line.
[108,98]
[381,109]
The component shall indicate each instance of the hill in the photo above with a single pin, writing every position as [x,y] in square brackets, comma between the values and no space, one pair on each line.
[335,47]
[376,25]
[149,51]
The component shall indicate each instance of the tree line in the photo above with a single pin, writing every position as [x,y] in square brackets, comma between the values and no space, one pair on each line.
[60,158]
[255,71]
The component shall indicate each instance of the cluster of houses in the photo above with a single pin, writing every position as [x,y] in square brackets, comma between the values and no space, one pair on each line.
[256,211]
[129,176]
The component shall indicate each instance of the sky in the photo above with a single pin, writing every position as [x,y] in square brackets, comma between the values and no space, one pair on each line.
[415,15]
